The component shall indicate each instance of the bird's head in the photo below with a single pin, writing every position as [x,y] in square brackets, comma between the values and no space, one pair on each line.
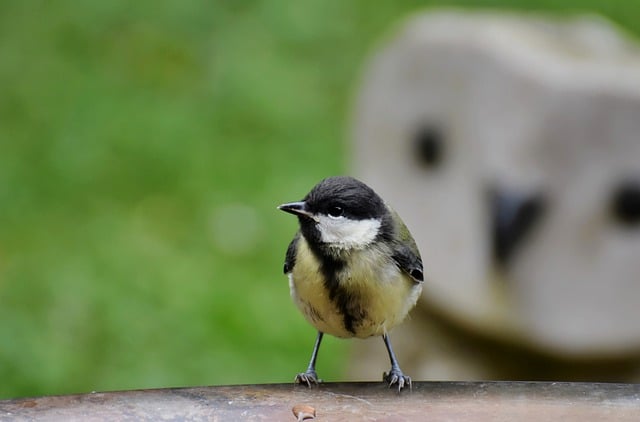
[341,212]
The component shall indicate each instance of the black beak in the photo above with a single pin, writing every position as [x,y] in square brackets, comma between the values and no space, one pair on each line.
[297,208]
[513,217]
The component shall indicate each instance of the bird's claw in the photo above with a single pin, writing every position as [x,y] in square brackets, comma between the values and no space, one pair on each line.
[395,376]
[309,378]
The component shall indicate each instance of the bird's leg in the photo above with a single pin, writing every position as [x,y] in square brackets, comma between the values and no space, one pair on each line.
[395,375]
[309,376]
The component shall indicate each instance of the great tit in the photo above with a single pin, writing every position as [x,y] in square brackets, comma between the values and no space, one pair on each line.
[354,269]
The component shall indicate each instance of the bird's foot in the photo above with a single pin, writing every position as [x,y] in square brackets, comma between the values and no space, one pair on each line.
[395,376]
[309,378]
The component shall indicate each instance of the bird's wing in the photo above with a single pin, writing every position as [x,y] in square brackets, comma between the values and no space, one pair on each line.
[290,258]
[406,253]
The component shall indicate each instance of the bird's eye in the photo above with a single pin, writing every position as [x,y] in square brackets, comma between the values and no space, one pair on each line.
[428,144]
[625,203]
[336,212]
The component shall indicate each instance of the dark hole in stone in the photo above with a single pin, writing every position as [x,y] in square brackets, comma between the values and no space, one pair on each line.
[625,203]
[429,145]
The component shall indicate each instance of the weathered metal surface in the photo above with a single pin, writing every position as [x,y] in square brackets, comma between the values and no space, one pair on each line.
[433,401]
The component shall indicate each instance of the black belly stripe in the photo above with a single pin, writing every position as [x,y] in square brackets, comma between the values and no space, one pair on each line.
[347,302]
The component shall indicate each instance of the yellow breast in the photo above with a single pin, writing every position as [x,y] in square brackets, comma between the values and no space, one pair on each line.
[380,294]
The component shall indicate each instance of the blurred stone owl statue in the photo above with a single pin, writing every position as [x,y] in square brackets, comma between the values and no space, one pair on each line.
[511,147]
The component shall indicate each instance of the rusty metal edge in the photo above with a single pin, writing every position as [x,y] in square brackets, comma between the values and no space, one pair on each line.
[479,400]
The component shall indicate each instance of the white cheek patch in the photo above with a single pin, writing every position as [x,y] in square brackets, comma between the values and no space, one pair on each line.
[347,234]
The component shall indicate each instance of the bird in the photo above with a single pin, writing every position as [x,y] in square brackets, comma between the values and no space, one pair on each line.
[354,268]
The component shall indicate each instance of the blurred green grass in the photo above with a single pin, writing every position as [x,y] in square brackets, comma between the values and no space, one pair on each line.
[143,149]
